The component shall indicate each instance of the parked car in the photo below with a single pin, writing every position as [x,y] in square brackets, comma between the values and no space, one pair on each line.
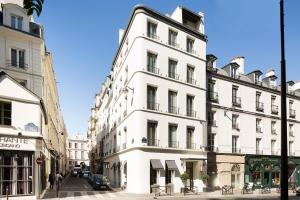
[86,173]
[76,170]
[100,182]
[298,191]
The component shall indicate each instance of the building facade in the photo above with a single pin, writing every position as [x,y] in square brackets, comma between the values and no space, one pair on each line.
[77,151]
[148,124]
[244,126]
[23,56]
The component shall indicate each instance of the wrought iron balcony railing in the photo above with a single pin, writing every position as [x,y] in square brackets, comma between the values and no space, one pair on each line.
[173,109]
[213,96]
[152,105]
[259,106]
[236,101]
[274,109]
[153,142]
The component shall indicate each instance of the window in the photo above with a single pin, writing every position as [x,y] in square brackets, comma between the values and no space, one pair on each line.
[190,45]
[259,104]
[151,63]
[273,147]
[273,127]
[82,155]
[16,22]
[76,154]
[76,145]
[190,138]
[212,95]
[151,134]
[5,113]
[190,106]
[18,58]
[22,82]
[235,144]
[235,124]
[190,75]
[16,169]
[173,136]
[291,148]
[81,145]
[258,150]
[172,97]
[292,111]
[151,98]
[211,118]
[234,73]
[258,126]
[211,142]
[274,107]
[257,79]
[236,101]
[70,145]
[151,30]
[173,38]
[291,130]
[173,69]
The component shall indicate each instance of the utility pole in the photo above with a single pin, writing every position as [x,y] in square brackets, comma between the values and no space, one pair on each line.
[284,159]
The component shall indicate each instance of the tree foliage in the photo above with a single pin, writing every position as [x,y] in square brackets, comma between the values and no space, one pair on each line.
[33,5]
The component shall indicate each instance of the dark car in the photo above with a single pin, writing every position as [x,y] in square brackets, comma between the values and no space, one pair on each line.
[298,191]
[100,182]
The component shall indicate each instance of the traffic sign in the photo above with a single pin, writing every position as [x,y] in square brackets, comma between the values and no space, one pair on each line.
[39,161]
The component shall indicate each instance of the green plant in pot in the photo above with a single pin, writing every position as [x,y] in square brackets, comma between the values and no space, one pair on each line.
[204,177]
[184,177]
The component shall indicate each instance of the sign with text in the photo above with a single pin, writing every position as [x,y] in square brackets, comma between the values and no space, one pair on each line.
[17,143]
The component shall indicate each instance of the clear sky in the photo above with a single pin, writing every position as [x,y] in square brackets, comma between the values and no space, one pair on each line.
[83,38]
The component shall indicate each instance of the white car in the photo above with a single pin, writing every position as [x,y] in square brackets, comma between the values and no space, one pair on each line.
[298,191]
[86,173]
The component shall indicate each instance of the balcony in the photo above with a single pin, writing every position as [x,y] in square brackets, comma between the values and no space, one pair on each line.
[212,149]
[152,105]
[18,65]
[191,145]
[152,142]
[174,76]
[152,69]
[273,131]
[191,50]
[173,44]
[152,36]
[274,110]
[212,123]
[236,101]
[173,144]
[173,110]
[191,81]
[190,113]
[292,113]
[258,129]
[236,150]
[259,152]
[213,96]
[259,106]
[235,126]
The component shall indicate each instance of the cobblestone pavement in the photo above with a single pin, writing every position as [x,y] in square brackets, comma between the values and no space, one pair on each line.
[79,188]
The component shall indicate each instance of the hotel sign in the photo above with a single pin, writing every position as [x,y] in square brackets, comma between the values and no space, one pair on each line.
[17,143]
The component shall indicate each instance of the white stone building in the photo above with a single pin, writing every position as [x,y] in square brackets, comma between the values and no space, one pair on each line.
[77,151]
[149,118]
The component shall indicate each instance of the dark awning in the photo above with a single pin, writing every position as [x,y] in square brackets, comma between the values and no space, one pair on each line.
[171,164]
[156,164]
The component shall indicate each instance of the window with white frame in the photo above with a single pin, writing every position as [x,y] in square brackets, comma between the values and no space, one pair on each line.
[151,30]
[173,38]
[16,22]
[18,58]
[190,45]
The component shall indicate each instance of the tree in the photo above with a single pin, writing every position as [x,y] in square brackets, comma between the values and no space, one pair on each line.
[184,177]
[33,5]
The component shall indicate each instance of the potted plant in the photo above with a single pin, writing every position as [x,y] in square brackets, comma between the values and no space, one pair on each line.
[204,177]
[184,177]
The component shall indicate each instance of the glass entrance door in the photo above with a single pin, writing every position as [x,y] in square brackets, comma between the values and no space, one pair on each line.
[189,171]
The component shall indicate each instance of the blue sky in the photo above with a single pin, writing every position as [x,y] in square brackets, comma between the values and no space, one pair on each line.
[83,38]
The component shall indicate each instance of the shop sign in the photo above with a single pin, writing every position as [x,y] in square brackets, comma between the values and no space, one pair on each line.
[17,143]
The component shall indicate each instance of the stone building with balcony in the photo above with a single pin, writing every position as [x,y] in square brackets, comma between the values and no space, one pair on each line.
[148,124]
[244,126]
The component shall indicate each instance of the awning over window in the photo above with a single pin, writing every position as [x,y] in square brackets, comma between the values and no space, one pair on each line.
[156,164]
[171,164]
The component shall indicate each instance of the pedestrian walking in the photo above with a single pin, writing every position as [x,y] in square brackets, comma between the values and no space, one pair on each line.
[51,180]
[58,179]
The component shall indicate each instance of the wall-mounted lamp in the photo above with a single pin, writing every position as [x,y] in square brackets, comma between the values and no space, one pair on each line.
[126,90]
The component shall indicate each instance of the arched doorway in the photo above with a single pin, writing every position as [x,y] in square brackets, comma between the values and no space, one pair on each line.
[235,176]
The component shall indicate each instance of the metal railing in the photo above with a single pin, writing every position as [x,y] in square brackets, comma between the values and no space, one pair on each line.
[173,109]
[18,65]
[259,106]
[236,150]
[274,109]
[152,105]
[191,81]
[258,129]
[236,101]
[173,75]
[153,142]
[259,152]
[212,149]
[274,152]
[152,69]
[173,144]
[190,145]
[292,113]
[173,44]
[190,50]
[273,131]
[152,36]
[213,96]
[190,113]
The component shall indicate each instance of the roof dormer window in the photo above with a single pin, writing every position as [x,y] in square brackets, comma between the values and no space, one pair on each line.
[257,79]
[16,22]
[234,73]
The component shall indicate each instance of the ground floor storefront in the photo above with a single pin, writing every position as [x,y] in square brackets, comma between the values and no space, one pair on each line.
[141,169]
[265,170]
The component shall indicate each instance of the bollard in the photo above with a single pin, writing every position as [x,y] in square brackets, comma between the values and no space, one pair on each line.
[6,192]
